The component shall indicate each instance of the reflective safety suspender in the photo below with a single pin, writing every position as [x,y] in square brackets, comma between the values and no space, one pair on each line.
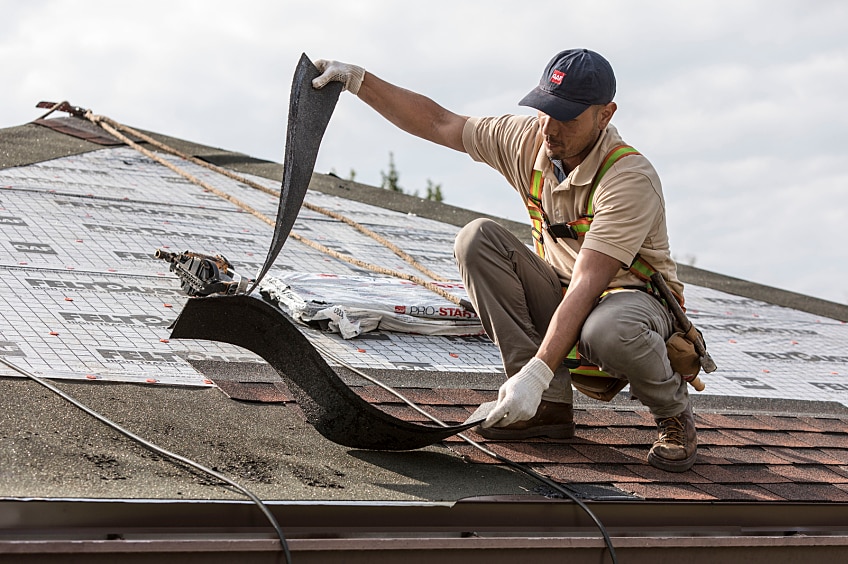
[578,228]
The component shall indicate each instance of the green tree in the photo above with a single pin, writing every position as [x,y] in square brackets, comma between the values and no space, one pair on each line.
[390,182]
[390,179]
[434,191]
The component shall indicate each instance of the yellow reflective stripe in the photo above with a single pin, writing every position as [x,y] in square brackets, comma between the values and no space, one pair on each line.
[642,269]
[580,226]
[537,214]
[589,372]
[611,158]
[536,185]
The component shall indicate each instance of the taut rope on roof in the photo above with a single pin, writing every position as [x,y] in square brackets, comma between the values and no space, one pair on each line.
[118,130]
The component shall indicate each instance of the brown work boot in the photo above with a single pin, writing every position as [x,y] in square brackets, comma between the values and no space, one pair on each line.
[677,444]
[554,420]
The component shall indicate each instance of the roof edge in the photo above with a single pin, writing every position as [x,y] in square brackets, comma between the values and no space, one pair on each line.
[761,292]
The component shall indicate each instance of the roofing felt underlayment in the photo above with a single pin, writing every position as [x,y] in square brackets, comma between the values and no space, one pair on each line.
[86,304]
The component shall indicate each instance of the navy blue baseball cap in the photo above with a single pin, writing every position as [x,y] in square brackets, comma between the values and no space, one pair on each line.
[574,80]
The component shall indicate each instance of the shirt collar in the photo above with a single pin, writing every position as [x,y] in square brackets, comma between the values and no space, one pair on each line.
[585,171]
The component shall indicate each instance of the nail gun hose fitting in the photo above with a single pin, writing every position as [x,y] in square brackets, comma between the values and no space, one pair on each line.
[164,255]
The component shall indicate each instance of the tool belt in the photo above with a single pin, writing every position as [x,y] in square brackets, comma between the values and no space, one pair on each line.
[681,349]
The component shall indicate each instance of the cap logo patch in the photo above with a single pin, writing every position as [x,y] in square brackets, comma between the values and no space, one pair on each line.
[557,77]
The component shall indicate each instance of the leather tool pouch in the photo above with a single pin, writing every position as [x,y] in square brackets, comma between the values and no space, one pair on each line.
[681,351]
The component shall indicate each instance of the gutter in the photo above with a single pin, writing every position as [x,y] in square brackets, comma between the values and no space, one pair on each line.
[493,528]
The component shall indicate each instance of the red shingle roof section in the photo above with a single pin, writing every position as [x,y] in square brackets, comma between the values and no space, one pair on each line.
[742,457]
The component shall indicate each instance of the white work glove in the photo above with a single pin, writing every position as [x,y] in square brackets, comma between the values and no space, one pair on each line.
[350,75]
[519,397]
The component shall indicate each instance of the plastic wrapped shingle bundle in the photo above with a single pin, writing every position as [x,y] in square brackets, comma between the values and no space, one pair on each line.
[352,305]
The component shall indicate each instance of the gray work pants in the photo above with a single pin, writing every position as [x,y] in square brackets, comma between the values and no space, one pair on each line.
[516,293]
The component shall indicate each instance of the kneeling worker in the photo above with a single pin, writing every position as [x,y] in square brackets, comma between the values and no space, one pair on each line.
[599,223]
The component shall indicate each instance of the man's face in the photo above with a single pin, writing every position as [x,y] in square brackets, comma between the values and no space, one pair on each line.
[571,141]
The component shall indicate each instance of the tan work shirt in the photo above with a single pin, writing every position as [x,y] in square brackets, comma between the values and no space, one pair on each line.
[629,205]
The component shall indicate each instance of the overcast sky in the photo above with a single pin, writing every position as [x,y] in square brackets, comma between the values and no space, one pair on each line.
[739,104]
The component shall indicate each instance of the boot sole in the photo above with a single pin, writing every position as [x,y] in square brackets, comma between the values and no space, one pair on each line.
[672,465]
[562,431]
